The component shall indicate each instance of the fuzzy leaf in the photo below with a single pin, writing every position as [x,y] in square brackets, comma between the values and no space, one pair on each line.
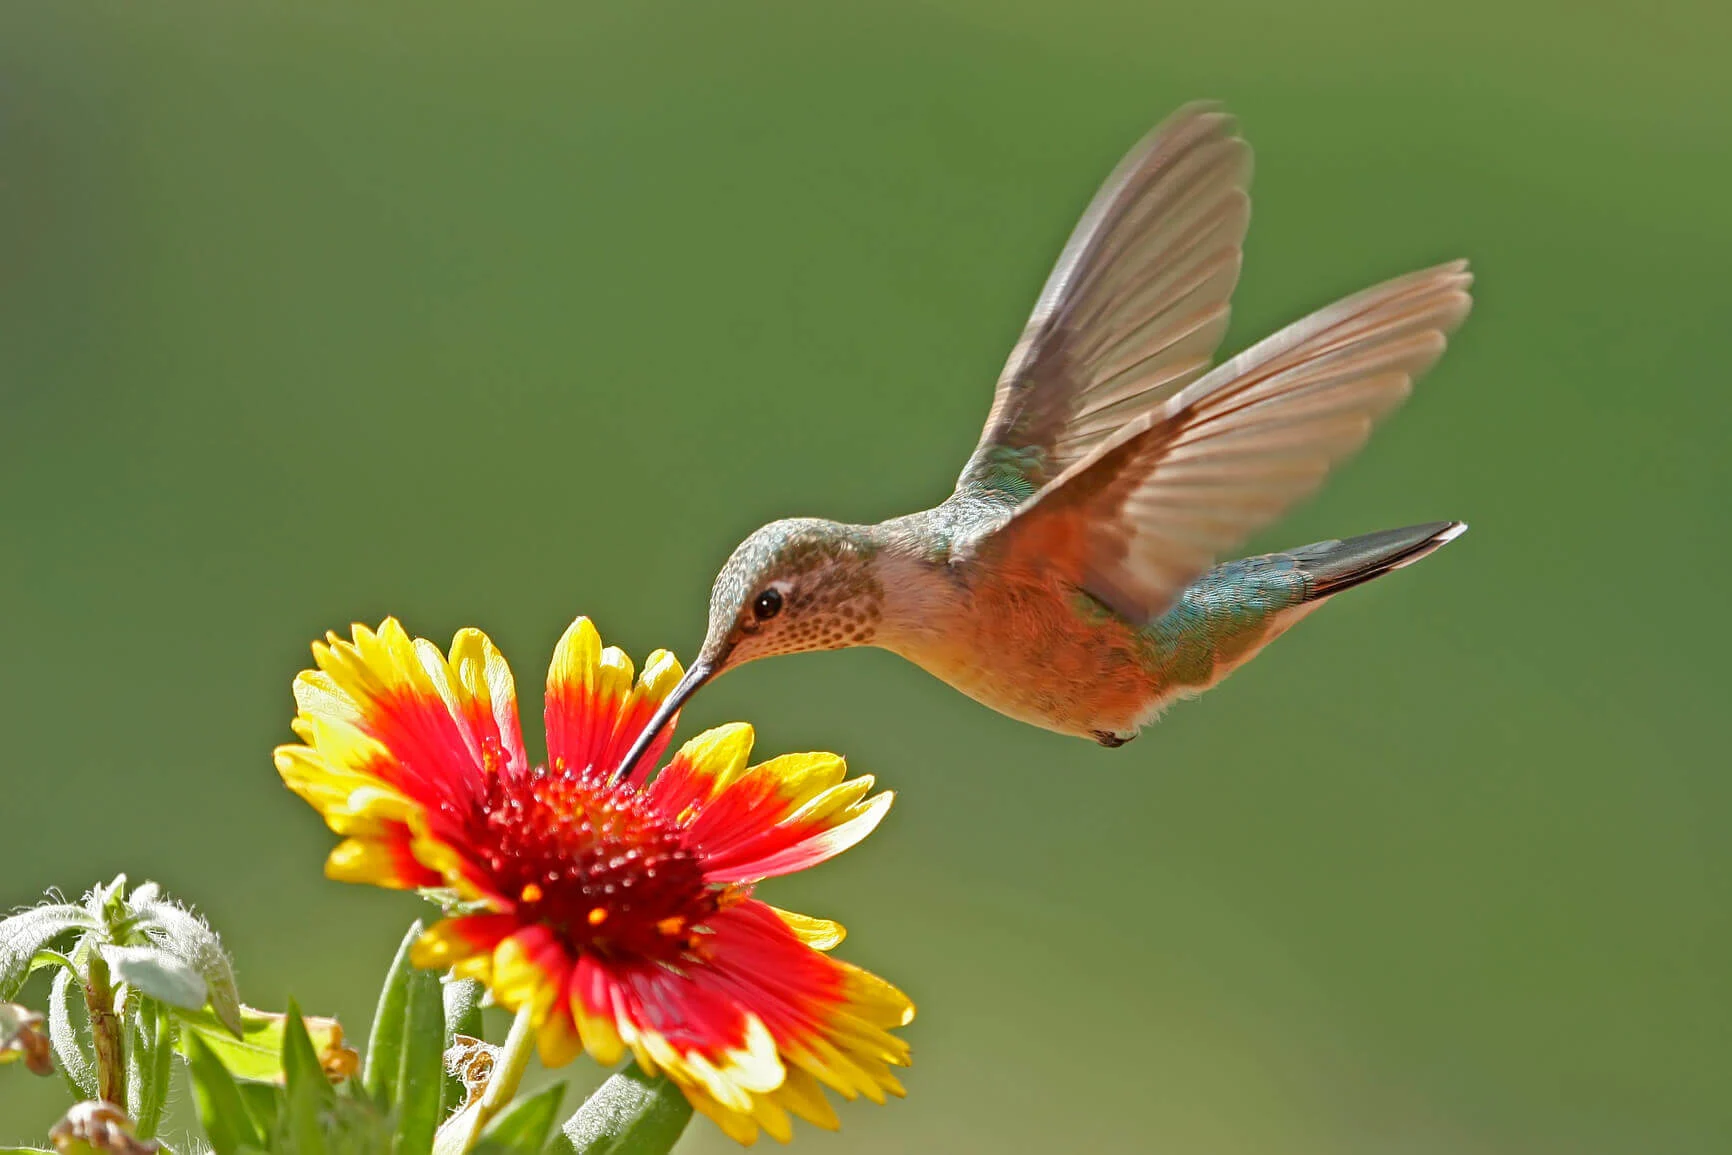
[157,973]
[385,1039]
[30,931]
[185,934]
[69,1035]
[462,1008]
[221,1110]
[630,1114]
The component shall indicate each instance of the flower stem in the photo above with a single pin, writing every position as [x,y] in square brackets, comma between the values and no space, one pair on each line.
[508,1072]
[105,1032]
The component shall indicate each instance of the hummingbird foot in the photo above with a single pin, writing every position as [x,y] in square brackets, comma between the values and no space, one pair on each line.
[1109,739]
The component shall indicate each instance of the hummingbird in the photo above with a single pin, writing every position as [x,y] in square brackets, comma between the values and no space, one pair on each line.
[1071,579]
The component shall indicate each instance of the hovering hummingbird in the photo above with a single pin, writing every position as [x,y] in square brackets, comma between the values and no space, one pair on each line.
[1067,581]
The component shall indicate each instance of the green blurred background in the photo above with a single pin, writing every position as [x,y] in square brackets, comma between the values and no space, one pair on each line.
[497,314]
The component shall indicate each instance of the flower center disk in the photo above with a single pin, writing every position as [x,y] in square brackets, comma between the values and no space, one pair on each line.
[593,862]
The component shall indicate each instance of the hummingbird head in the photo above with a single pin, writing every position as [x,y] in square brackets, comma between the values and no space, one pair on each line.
[799,584]
[794,585]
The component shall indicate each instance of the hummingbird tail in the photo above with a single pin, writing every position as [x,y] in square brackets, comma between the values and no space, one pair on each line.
[1338,565]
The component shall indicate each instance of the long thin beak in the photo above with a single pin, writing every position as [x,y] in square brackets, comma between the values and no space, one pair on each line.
[700,672]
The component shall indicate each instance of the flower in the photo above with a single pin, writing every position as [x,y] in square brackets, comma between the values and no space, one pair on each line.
[618,911]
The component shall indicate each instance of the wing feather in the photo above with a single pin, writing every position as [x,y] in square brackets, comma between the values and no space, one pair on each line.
[1154,504]
[1135,307]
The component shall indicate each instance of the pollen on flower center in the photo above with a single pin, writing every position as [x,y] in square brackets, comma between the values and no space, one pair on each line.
[593,862]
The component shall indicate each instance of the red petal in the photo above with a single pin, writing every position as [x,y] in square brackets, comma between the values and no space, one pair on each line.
[756,961]
[586,686]
[755,829]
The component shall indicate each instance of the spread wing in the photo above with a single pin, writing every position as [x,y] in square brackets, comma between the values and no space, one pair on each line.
[1152,508]
[1134,309]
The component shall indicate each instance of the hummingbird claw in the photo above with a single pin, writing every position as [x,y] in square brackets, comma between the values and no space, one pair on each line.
[1109,739]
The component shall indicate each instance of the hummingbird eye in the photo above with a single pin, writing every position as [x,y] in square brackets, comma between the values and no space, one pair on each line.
[767,604]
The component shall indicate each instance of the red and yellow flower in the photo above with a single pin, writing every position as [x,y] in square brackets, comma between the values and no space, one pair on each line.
[617,911]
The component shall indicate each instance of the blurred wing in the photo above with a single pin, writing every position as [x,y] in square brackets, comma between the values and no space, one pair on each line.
[1134,309]
[1152,509]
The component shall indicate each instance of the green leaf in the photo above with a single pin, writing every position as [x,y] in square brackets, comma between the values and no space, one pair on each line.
[104,903]
[221,1110]
[301,1066]
[139,1029]
[630,1114]
[385,1039]
[462,1017]
[346,1126]
[31,931]
[149,1063]
[523,1127]
[264,1103]
[188,936]
[46,958]
[304,1113]
[164,1074]
[421,1077]
[309,1091]
[25,1151]
[69,1035]
[257,1055]
[158,973]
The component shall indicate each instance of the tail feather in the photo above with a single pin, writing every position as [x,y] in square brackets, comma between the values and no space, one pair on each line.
[1333,566]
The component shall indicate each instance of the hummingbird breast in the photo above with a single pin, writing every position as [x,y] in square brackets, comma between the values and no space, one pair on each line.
[1022,648]
[1033,647]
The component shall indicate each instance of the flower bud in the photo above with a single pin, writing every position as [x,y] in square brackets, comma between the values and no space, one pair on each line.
[21,1037]
[96,1126]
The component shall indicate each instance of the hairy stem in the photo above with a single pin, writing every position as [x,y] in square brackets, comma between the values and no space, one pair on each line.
[105,1032]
